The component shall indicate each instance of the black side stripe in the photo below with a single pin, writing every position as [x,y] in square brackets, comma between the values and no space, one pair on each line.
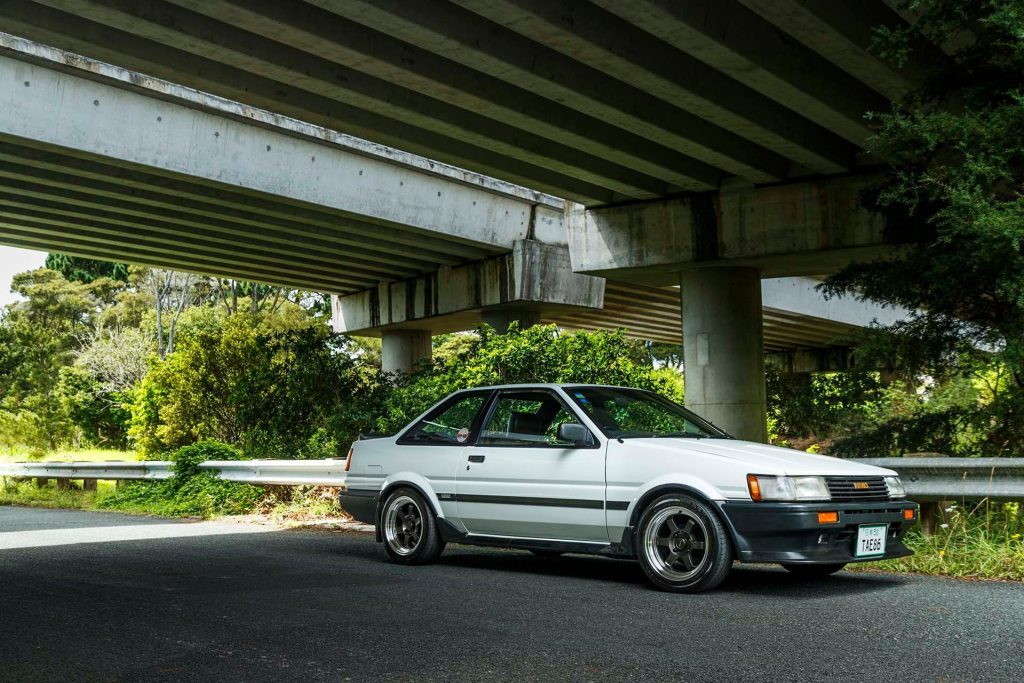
[541,502]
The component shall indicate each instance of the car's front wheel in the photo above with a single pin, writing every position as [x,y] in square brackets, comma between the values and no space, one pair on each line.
[682,545]
[409,528]
[813,570]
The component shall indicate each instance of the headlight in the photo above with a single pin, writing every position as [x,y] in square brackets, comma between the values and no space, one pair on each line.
[895,487]
[787,488]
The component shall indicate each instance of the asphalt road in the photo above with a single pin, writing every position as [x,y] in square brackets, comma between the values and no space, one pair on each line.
[212,603]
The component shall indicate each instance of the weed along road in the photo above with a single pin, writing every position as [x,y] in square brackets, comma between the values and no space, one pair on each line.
[89,596]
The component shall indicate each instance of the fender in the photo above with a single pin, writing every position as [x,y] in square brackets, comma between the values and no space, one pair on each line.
[678,480]
[418,482]
[650,490]
[412,480]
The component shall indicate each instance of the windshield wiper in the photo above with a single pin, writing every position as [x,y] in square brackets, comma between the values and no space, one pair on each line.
[682,435]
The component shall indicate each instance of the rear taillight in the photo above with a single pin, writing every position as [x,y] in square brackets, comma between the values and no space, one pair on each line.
[348,460]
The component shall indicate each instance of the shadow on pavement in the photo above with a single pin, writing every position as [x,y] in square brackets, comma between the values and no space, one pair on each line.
[748,579]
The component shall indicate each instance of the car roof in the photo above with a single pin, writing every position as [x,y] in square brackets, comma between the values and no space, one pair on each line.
[544,385]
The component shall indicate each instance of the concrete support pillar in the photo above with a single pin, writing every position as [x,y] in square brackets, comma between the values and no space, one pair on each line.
[723,349]
[501,319]
[402,349]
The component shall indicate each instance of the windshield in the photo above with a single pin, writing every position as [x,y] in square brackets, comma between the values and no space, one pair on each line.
[633,414]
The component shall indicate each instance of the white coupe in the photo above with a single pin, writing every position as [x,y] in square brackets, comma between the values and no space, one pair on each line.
[616,471]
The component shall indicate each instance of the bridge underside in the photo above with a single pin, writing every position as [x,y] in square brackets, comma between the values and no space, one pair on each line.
[706,145]
[597,102]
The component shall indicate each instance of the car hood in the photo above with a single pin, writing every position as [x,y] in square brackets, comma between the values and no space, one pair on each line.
[765,459]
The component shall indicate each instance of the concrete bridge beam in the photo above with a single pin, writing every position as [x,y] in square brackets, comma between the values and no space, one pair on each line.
[510,287]
[801,228]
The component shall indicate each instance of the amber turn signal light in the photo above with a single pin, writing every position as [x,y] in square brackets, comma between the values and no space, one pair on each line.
[348,460]
[828,517]
[908,513]
[755,488]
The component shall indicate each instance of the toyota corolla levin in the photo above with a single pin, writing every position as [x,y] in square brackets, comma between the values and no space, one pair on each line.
[615,471]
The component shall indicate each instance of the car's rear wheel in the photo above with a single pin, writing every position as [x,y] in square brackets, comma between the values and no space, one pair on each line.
[409,528]
[813,570]
[682,545]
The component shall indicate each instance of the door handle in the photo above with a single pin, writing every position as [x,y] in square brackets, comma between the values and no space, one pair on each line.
[476,458]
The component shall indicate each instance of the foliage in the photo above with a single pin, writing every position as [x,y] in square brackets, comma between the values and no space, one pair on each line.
[86,270]
[190,492]
[984,541]
[277,394]
[101,416]
[952,192]
[537,354]
[821,404]
[26,493]
[39,337]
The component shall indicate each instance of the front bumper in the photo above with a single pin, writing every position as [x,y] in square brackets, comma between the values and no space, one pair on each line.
[790,532]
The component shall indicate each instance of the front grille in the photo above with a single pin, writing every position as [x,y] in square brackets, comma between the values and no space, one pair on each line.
[857,489]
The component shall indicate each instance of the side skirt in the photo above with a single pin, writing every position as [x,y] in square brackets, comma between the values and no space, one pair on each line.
[451,534]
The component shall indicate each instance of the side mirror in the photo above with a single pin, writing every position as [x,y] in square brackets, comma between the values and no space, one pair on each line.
[575,433]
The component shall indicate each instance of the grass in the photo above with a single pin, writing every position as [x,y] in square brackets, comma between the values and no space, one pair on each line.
[205,497]
[27,494]
[985,541]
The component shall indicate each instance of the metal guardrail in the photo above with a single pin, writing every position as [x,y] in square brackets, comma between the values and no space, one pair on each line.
[925,479]
[115,470]
[280,472]
[271,472]
[929,479]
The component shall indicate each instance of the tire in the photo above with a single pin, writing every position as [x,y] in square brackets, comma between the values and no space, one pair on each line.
[682,545]
[409,528]
[811,571]
[546,553]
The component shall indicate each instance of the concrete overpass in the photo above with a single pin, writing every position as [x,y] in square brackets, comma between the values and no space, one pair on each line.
[597,102]
[705,144]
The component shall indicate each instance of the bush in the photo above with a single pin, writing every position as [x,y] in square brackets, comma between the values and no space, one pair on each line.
[190,492]
[277,394]
[186,460]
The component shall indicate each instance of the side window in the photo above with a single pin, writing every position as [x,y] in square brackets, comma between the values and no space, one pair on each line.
[525,418]
[451,423]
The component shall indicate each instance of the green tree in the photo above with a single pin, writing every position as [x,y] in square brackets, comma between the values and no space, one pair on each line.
[40,336]
[955,159]
[537,354]
[86,269]
[279,393]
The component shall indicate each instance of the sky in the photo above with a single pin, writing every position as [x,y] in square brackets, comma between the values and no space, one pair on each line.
[14,261]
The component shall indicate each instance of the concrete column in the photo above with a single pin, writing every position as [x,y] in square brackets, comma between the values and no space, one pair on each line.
[723,349]
[402,349]
[501,319]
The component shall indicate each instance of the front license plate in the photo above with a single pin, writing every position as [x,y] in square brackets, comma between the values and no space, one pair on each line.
[871,540]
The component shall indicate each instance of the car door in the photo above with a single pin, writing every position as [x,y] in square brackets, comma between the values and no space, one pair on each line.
[435,446]
[519,479]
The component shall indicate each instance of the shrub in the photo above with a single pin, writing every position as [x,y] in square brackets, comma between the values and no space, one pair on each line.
[190,491]
[278,394]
